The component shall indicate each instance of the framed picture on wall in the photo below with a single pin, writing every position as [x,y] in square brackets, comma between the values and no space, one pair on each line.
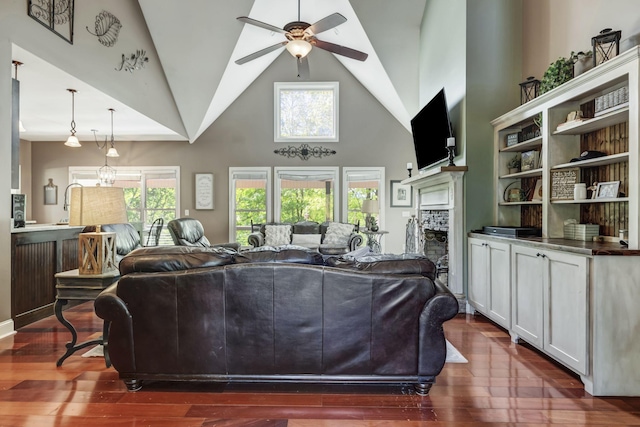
[203,191]
[401,195]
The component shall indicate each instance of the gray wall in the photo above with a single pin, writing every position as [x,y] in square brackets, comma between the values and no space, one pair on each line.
[243,136]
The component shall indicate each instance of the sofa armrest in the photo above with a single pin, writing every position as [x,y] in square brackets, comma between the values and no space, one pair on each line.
[111,308]
[355,240]
[256,239]
[437,310]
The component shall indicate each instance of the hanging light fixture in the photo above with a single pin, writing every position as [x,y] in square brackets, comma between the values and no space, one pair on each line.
[106,173]
[112,152]
[72,141]
[299,48]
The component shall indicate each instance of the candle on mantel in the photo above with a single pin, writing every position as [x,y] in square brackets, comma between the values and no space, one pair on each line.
[451,142]
[409,165]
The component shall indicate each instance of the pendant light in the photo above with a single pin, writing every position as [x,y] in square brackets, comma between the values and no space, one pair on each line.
[112,152]
[72,141]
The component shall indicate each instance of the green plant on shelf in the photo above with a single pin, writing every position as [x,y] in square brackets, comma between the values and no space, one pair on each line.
[514,163]
[559,72]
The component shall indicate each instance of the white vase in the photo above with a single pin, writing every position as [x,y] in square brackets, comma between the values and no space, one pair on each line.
[583,64]
[580,191]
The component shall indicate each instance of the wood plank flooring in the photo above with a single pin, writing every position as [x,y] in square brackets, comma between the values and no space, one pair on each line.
[502,385]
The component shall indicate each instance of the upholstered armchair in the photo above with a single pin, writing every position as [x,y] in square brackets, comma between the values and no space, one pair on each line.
[329,238]
[190,232]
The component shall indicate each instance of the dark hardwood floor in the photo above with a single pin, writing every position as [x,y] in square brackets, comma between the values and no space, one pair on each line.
[502,385]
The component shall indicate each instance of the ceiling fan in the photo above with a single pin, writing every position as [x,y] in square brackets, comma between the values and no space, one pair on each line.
[300,38]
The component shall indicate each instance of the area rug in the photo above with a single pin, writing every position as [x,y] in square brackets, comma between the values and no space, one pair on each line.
[453,355]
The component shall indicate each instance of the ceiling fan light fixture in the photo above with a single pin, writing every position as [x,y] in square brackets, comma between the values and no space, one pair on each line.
[299,48]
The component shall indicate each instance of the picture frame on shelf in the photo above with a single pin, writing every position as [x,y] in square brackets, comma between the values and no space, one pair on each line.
[203,191]
[401,195]
[529,160]
[608,190]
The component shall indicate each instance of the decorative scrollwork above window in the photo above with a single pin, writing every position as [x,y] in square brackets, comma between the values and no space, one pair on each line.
[305,152]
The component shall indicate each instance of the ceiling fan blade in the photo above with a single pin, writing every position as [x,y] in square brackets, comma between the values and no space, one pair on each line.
[326,23]
[261,52]
[260,24]
[303,68]
[340,50]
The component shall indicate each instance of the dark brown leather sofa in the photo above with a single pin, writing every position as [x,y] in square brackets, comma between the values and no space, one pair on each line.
[185,313]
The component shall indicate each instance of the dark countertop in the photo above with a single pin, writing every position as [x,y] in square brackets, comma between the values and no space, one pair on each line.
[565,245]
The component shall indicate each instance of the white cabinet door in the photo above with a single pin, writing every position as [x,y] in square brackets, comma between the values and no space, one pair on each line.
[478,275]
[566,309]
[527,278]
[499,302]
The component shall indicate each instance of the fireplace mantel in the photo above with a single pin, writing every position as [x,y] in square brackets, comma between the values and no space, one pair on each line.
[442,189]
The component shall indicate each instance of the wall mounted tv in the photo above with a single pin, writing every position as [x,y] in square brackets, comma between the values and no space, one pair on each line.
[431,127]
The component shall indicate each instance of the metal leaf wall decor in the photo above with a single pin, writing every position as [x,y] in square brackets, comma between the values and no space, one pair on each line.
[135,61]
[305,152]
[107,28]
[56,15]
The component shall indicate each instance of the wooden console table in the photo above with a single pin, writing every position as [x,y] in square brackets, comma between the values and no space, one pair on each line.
[70,285]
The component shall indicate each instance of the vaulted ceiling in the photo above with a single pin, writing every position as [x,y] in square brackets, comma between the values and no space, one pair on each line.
[197,42]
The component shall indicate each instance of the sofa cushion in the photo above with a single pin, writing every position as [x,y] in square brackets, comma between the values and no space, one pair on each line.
[276,235]
[175,258]
[288,253]
[338,233]
[308,240]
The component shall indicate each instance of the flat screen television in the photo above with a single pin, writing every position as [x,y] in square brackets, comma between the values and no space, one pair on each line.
[431,127]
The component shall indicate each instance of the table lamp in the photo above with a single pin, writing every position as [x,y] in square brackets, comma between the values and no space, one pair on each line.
[369,207]
[97,206]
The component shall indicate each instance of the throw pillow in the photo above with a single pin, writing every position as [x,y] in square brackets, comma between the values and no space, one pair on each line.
[276,235]
[338,233]
[306,239]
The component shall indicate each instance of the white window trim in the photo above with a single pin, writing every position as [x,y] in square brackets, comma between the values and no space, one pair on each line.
[142,170]
[302,169]
[278,86]
[232,192]
[381,192]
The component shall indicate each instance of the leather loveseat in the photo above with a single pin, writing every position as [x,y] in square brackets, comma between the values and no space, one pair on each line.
[184,313]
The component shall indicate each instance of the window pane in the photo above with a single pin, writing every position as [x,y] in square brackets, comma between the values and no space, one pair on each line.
[250,202]
[306,111]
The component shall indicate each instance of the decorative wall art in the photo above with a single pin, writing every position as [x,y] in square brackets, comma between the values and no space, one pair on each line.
[305,152]
[204,191]
[50,193]
[56,15]
[107,28]
[401,195]
[135,61]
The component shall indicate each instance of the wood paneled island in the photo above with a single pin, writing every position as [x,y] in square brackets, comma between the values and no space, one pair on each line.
[38,252]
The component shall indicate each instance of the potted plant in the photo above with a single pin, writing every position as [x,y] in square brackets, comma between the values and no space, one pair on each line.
[559,72]
[514,164]
[582,62]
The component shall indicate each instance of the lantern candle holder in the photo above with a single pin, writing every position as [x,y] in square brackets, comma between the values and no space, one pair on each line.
[606,45]
[529,89]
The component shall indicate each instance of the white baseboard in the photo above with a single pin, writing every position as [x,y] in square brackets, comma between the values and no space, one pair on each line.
[6,328]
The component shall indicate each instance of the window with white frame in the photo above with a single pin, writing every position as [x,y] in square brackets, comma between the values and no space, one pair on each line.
[306,193]
[306,112]
[359,184]
[150,193]
[249,201]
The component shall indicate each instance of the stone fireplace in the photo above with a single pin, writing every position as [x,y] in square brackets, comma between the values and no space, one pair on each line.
[438,195]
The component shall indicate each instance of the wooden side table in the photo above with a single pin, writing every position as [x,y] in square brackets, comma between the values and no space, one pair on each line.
[373,239]
[71,285]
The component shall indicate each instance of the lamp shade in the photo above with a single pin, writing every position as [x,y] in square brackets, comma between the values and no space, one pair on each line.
[73,142]
[370,206]
[97,206]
